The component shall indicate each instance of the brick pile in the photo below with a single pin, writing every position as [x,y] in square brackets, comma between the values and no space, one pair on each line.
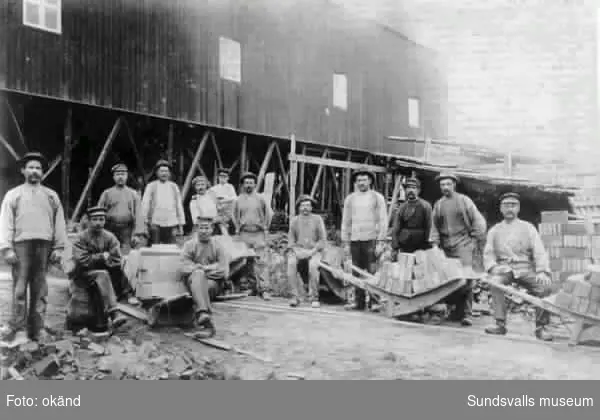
[581,293]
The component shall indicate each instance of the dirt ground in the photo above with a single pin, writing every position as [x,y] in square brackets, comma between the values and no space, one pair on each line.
[332,344]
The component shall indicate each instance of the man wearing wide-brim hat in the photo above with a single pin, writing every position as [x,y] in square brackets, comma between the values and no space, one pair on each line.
[162,207]
[306,240]
[33,235]
[412,221]
[364,228]
[458,228]
[97,267]
[514,253]
[123,208]
[252,218]
[225,195]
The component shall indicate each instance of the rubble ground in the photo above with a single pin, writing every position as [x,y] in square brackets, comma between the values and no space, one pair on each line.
[284,344]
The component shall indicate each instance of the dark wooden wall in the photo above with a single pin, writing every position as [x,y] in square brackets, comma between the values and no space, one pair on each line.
[161,58]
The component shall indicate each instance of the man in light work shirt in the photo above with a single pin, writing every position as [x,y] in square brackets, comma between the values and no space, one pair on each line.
[33,235]
[514,252]
[458,228]
[306,241]
[225,195]
[162,208]
[123,208]
[364,228]
[252,219]
[202,204]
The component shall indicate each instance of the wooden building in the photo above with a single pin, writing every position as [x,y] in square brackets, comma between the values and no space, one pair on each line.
[207,82]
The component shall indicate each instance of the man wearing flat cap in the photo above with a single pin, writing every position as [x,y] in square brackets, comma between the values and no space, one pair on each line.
[459,229]
[514,253]
[225,195]
[97,265]
[306,241]
[364,228]
[412,221]
[123,208]
[252,218]
[203,203]
[162,208]
[33,235]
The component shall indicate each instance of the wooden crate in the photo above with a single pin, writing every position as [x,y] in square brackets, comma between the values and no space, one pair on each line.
[159,272]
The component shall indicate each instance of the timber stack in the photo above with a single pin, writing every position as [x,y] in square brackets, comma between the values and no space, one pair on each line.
[581,293]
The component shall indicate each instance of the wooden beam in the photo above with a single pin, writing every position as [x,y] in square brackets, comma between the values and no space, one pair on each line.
[338,163]
[301,175]
[244,157]
[198,166]
[94,174]
[8,147]
[336,187]
[16,123]
[53,165]
[347,177]
[195,161]
[66,161]
[217,152]
[319,172]
[234,165]
[282,168]
[170,141]
[138,157]
[395,193]
[265,165]
[293,169]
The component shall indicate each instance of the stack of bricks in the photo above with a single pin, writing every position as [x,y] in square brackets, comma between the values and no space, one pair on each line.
[580,293]
[569,244]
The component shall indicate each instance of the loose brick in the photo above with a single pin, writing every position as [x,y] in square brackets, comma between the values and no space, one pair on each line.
[582,289]
[47,367]
[594,274]
[563,300]
[574,229]
[555,217]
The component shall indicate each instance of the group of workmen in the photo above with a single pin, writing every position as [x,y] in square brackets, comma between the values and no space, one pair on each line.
[33,235]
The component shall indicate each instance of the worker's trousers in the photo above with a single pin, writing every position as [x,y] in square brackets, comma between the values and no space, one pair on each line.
[163,234]
[203,287]
[528,282]
[294,269]
[99,285]
[256,241]
[463,297]
[123,232]
[30,273]
[363,257]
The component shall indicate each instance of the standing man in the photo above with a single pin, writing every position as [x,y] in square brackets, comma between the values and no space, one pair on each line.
[306,241]
[252,218]
[205,269]
[364,228]
[459,229]
[412,222]
[97,266]
[202,204]
[162,208]
[32,235]
[225,195]
[123,208]
[514,252]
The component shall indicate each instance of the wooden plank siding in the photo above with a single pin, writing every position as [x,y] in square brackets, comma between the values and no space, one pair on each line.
[161,58]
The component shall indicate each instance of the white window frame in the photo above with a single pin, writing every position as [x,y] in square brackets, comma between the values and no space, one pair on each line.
[230,59]
[340,91]
[43,6]
[414,107]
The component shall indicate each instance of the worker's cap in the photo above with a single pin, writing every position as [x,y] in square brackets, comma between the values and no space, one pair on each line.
[412,182]
[511,197]
[303,198]
[119,167]
[32,156]
[162,163]
[96,211]
[363,171]
[446,175]
[223,171]
[199,178]
[247,175]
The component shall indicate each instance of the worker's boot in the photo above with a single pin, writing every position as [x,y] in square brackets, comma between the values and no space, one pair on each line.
[498,329]
[205,325]
[294,302]
[117,320]
[12,337]
[541,333]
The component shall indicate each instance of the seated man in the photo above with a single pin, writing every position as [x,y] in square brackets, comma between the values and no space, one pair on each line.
[514,253]
[306,240]
[205,269]
[97,257]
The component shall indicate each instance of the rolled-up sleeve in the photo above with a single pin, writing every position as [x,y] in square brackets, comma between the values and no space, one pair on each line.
[7,222]
[542,262]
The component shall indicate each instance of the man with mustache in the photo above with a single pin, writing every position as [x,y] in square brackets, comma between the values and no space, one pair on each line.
[459,229]
[123,208]
[202,204]
[252,219]
[97,266]
[364,228]
[162,208]
[33,235]
[514,252]
[412,223]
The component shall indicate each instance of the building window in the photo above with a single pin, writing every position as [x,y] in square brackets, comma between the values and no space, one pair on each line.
[340,91]
[43,14]
[230,59]
[414,113]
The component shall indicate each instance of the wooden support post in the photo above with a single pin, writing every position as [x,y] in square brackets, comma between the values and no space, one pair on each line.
[190,176]
[265,165]
[8,147]
[324,189]
[66,162]
[181,167]
[16,124]
[318,176]
[301,175]
[282,168]
[138,157]
[94,174]
[198,166]
[347,178]
[213,140]
[170,141]
[234,165]
[337,187]
[395,193]
[293,169]
[244,157]
[53,165]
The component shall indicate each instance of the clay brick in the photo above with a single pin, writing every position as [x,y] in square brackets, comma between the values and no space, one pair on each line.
[563,300]
[555,217]
[47,367]
[595,294]
[573,253]
[555,265]
[594,275]
[582,289]
[574,229]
